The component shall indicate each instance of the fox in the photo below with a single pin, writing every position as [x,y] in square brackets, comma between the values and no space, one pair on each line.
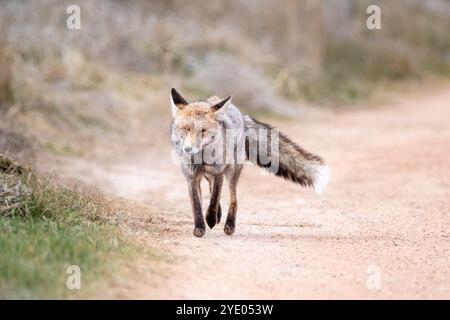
[200,132]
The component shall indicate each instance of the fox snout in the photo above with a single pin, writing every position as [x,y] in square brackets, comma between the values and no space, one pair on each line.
[191,144]
[187,149]
[190,150]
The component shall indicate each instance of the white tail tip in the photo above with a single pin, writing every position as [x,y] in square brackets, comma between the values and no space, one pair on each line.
[322,179]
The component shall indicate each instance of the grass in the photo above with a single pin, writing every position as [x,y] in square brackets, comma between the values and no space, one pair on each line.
[406,49]
[60,149]
[45,228]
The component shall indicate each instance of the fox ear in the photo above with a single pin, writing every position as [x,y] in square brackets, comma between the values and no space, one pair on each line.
[177,102]
[222,105]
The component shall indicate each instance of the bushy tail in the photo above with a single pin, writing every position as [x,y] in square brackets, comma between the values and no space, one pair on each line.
[295,164]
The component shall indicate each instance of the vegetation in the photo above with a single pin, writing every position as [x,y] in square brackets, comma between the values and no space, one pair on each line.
[62,89]
[44,229]
[266,53]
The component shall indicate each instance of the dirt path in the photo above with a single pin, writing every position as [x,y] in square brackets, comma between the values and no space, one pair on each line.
[380,231]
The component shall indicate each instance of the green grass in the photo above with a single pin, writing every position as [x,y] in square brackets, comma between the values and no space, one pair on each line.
[49,228]
[58,149]
[352,70]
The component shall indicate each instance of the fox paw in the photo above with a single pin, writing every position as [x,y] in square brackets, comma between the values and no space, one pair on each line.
[198,232]
[229,230]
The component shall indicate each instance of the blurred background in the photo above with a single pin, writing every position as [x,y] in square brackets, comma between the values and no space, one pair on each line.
[90,107]
[273,56]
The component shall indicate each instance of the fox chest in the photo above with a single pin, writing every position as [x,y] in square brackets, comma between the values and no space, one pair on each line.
[214,169]
[195,170]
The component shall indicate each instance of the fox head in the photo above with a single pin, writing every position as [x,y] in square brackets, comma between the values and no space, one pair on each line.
[196,124]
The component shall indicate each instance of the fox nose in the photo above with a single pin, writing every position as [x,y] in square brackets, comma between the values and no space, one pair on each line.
[187,149]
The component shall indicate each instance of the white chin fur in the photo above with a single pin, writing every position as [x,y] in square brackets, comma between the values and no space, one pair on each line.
[322,178]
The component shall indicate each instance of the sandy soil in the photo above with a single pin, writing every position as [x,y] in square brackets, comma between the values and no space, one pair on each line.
[380,231]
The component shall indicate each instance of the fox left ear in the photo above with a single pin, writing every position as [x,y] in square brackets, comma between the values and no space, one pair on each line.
[177,102]
[222,105]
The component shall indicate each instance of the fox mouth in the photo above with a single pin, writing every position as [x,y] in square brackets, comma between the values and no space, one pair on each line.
[190,152]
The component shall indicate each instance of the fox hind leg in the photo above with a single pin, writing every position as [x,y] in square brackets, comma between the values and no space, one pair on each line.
[233,178]
[219,208]
[210,180]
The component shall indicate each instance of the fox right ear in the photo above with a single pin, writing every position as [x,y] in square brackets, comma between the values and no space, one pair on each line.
[177,102]
[222,104]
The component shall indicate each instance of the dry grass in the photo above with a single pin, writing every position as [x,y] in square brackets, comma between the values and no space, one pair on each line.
[23,193]
[12,191]
[8,165]
[45,227]
[109,77]
[314,50]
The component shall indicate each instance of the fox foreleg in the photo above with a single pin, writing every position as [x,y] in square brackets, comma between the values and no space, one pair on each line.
[214,212]
[194,195]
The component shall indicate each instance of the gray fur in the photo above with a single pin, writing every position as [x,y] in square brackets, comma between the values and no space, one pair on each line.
[295,164]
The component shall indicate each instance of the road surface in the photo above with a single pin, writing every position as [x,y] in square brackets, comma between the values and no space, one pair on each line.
[381,230]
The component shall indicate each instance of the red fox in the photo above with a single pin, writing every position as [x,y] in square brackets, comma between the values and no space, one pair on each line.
[213,140]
